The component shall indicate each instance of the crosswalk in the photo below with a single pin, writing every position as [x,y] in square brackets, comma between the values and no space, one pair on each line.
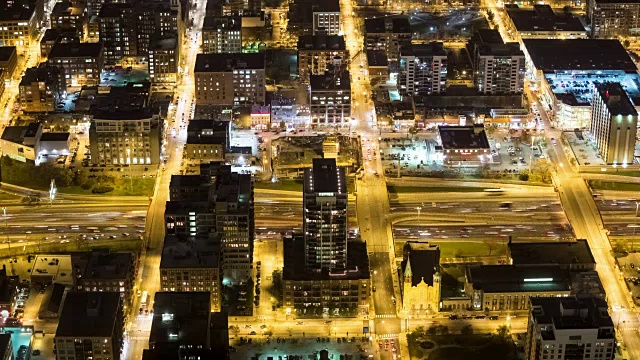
[385,316]
[388,336]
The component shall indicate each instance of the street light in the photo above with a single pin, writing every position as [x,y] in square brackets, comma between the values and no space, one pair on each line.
[419,208]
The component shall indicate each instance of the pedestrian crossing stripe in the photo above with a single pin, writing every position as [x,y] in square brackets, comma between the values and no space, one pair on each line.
[388,336]
[630,329]
[386,316]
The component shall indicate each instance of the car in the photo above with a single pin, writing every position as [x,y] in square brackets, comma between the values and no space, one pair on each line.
[252,333]
[374,289]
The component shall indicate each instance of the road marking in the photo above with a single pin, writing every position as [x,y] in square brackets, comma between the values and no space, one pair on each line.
[388,336]
[386,316]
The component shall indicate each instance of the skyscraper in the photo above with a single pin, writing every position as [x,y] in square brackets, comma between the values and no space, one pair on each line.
[325,217]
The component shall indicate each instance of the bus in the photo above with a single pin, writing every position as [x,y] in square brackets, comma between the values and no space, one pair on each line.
[144,301]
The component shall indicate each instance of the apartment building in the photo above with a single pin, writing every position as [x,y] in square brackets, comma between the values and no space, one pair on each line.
[8,61]
[387,34]
[163,61]
[423,69]
[66,16]
[81,63]
[117,22]
[318,54]
[498,67]
[41,88]
[192,265]
[613,18]
[326,17]
[570,328]
[230,79]
[614,122]
[18,27]
[207,141]
[109,271]
[330,99]
[91,326]
[222,35]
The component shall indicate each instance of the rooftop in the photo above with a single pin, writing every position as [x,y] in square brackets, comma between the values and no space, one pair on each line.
[616,99]
[181,318]
[326,6]
[222,22]
[463,137]
[421,262]
[387,24]
[325,177]
[550,55]
[108,265]
[169,43]
[76,50]
[55,136]
[295,268]
[423,50]
[89,314]
[330,82]
[66,8]
[321,42]
[58,267]
[571,313]
[14,13]
[178,181]
[542,18]
[513,278]
[42,73]
[377,58]
[229,62]
[560,253]
[178,253]
[6,52]
[205,131]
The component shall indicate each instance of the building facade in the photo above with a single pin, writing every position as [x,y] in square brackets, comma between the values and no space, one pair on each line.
[230,79]
[614,122]
[42,88]
[570,328]
[420,271]
[613,18]
[8,61]
[109,271]
[222,35]
[326,17]
[387,34]
[423,69]
[498,67]
[163,61]
[18,27]
[66,16]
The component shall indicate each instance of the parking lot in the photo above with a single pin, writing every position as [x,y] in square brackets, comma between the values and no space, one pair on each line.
[302,349]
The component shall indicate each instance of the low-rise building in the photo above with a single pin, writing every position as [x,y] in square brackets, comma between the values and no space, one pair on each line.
[191,266]
[20,142]
[316,294]
[387,34]
[109,271]
[222,34]
[68,16]
[8,61]
[260,116]
[19,26]
[569,328]
[163,61]
[420,271]
[81,62]
[318,54]
[326,17]
[509,287]
[330,99]
[207,140]
[570,255]
[42,88]
[378,65]
[541,22]
[464,145]
[184,327]
[90,323]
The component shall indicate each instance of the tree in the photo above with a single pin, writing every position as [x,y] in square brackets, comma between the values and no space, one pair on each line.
[235,330]
[541,171]
[432,330]
[80,242]
[525,137]
[626,43]
[467,330]
[490,15]
[503,331]
[491,245]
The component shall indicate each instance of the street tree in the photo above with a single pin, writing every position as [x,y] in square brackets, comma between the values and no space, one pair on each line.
[467,330]
[503,331]
[235,330]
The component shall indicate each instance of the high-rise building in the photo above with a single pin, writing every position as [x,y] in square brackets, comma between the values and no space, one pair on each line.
[318,54]
[330,99]
[42,88]
[613,18]
[118,31]
[614,122]
[325,216]
[91,326]
[222,35]
[387,34]
[498,68]
[235,223]
[326,17]
[230,79]
[569,328]
[423,69]
[81,63]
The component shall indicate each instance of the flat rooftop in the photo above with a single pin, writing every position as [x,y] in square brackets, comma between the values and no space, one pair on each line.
[330,82]
[377,58]
[89,314]
[513,278]
[229,62]
[178,253]
[550,55]
[66,8]
[108,265]
[55,136]
[542,18]
[295,268]
[59,267]
[76,50]
[463,137]
[616,99]
[560,253]
[387,24]
[6,52]
[325,177]
[423,50]
[321,42]
[181,318]
[571,312]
